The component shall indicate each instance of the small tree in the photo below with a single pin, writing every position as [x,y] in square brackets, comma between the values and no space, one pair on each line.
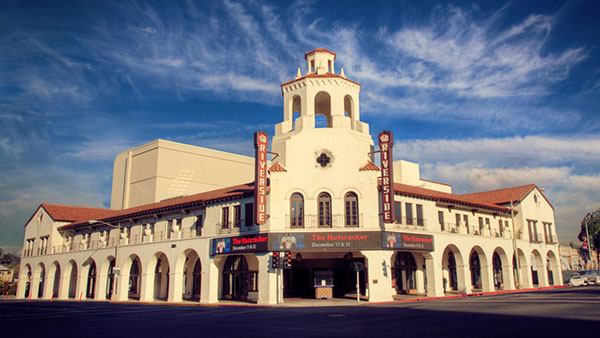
[592,221]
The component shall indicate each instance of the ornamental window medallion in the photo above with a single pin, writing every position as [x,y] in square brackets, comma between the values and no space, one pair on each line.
[323,158]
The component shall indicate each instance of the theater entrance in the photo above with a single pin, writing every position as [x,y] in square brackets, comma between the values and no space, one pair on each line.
[299,281]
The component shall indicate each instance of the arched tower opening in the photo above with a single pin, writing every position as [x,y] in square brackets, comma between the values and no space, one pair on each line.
[322,110]
[296,110]
[349,109]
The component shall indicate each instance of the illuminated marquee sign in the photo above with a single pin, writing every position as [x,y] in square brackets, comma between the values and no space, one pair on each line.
[261,141]
[406,241]
[325,241]
[386,142]
[230,245]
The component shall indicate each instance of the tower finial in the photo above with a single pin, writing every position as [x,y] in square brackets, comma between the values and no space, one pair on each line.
[342,74]
[298,75]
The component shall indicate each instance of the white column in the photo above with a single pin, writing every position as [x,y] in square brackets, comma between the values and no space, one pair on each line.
[435,278]
[175,287]
[147,287]
[487,280]
[379,275]
[268,287]
[210,281]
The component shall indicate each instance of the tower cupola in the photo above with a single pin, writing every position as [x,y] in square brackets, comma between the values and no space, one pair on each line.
[320,98]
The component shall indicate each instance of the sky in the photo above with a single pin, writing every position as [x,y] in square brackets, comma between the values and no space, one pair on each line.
[483,95]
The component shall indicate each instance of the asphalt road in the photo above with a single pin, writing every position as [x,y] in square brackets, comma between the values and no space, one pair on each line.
[565,312]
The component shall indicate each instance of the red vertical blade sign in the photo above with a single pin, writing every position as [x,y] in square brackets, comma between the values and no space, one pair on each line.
[386,142]
[261,141]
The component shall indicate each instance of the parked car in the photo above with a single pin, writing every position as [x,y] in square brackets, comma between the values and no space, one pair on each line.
[589,277]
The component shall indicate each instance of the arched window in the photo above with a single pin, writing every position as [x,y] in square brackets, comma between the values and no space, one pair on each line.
[297,211]
[475,267]
[351,210]
[497,266]
[324,202]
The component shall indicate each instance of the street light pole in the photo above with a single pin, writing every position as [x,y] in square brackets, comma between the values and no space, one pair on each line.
[116,269]
[589,245]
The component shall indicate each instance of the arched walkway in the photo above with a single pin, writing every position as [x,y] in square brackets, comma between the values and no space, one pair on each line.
[90,291]
[54,276]
[27,281]
[404,273]
[453,270]
[192,275]
[40,278]
[480,270]
[161,276]
[72,273]
[237,277]
[554,272]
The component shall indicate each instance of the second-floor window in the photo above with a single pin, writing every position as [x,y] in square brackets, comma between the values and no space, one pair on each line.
[409,215]
[351,209]
[420,220]
[249,214]
[324,205]
[237,216]
[441,219]
[466,220]
[297,211]
[398,212]
[225,218]
[198,225]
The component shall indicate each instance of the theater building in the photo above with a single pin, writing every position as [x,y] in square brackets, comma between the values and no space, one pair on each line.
[184,223]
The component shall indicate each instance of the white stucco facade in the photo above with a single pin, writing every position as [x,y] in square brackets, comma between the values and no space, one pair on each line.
[323,206]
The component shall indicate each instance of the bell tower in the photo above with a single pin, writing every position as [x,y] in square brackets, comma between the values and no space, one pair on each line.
[323,148]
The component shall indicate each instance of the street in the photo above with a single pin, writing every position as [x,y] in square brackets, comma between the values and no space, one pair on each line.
[562,312]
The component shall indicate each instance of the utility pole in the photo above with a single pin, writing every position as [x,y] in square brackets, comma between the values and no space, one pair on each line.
[514,242]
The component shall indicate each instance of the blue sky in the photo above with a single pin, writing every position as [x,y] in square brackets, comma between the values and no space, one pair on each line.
[482,95]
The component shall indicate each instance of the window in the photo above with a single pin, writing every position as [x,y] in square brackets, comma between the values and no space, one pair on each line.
[409,217]
[466,220]
[398,212]
[548,232]
[324,205]
[480,225]
[249,214]
[225,218]
[532,227]
[199,224]
[297,211]
[457,221]
[487,223]
[441,219]
[351,209]
[500,228]
[420,215]
[151,227]
[179,223]
[237,216]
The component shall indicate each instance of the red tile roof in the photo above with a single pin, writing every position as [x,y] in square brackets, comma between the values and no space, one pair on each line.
[319,50]
[369,166]
[177,203]
[70,213]
[506,195]
[277,167]
[413,191]
[315,75]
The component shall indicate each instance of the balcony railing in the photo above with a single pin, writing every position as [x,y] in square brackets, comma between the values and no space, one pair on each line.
[320,222]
